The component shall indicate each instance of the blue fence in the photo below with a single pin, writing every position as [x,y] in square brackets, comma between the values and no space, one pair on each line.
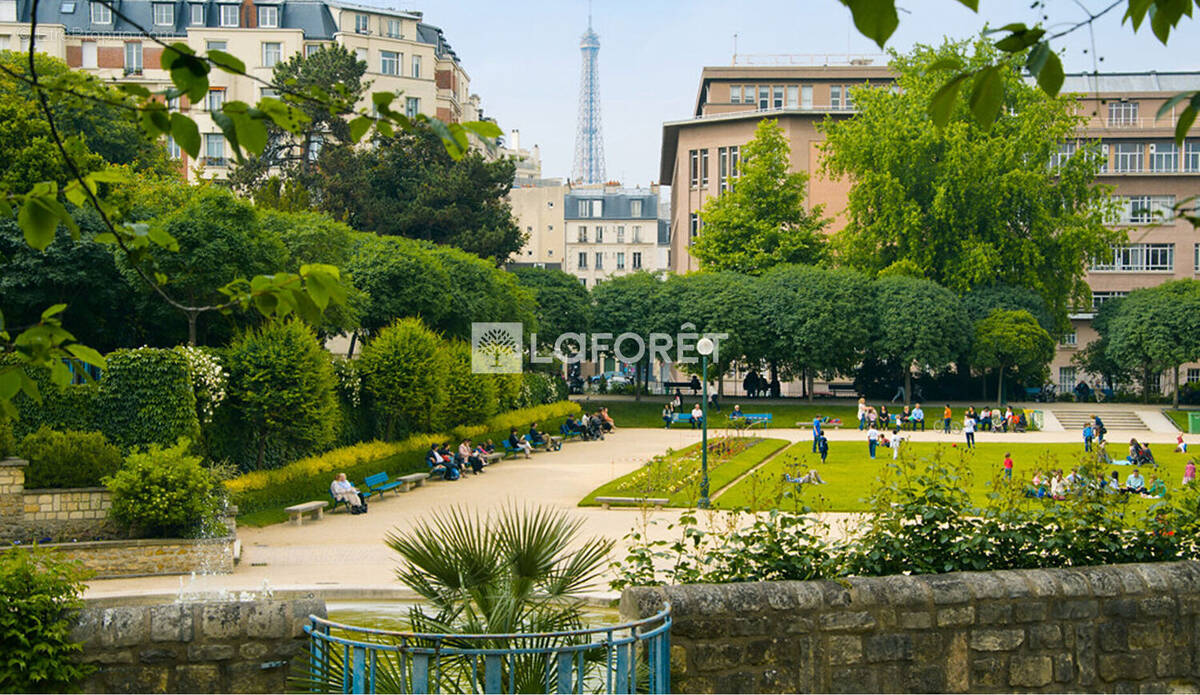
[631,657]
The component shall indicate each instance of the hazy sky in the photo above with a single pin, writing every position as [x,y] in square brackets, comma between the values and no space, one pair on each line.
[523,57]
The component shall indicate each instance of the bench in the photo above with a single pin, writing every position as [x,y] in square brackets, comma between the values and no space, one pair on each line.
[296,512]
[682,417]
[567,433]
[408,482]
[836,390]
[658,502]
[494,457]
[363,495]
[378,482]
[753,419]
[548,443]
[827,423]
[509,449]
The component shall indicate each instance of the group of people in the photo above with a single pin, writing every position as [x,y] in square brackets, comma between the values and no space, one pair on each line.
[1053,485]
[593,426]
[993,420]
[757,386]
[909,418]
[877,438]
[696,417]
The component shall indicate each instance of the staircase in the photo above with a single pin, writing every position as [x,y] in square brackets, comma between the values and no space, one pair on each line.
[1076,418]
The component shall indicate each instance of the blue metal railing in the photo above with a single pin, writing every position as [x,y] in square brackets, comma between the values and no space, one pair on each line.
[633,657]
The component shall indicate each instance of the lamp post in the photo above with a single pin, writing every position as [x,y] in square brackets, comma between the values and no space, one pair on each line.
[705,348]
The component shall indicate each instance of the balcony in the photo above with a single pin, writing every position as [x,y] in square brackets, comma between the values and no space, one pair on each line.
[214,162]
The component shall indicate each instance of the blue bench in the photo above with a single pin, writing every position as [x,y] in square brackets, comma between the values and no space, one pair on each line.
[568,433]
[509,449]
[378,482]
[683,417]
[362,495]
[757,419]
[548,443]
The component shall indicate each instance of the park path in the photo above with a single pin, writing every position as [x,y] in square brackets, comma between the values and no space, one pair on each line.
[344,552]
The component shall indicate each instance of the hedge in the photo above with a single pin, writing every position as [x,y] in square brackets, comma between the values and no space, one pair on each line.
[146,398]
[309,478]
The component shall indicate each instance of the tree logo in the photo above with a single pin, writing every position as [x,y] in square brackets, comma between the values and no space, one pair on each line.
[496,348]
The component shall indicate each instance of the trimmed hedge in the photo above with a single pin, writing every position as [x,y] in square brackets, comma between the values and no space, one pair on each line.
[146,398]
[67,459]
[309,478]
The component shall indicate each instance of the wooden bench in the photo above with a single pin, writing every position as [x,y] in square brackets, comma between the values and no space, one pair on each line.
[296,512]
[668,385]
[379,483]
[658,502]
[838,391]
[408,482]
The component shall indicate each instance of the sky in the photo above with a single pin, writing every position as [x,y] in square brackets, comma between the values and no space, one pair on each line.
[524,62]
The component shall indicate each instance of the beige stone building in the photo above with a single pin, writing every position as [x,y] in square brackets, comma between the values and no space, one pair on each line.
[403,53]
[1147,170]
[538,212]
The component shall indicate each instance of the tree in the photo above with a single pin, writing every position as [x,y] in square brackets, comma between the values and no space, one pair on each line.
[1008,339]
[563,303]
[628,304]
[469,398]
[479,291]
[981,301]
[403,369]
[400,277]
[968,206]
[281,388]
[762,220]
[919,324]
[336,72]
[1094,358]
[409,186]
[1155,329]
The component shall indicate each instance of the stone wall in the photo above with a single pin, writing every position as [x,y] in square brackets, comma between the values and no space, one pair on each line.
[196,647]
[151,556]
[1121,628]
[63,513]
[12,504]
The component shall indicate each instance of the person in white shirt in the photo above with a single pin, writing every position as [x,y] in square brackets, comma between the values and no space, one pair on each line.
[896,438]
[969,430]
[345,491]
[872,440]
[697,416]
[1058,486]
[862,413]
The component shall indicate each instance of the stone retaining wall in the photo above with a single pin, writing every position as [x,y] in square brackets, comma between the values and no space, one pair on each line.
[151,556]
[1120,628]
[71,512]
[197,647]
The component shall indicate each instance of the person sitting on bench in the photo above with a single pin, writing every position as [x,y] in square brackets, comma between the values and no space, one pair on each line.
[697,416]
[439,462]
[344,491]
[574,426]
[516,442]
[606,421]
[466,456]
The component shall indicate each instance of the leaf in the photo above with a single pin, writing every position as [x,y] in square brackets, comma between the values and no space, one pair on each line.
[1050,77]
[382,99]
[252,133]
[875,19]
[973,5]
[987,96]
[359,127]
[941,106]
[87,355]
[38,222]
[136,90]
[940,64]
[188,73]
[1036,59]
[1021,39]
[448,139]
[53,311]
[229,128]
[1136,12]
[484,129]
[186,134]
[227,62]
[1186,118]
[10,382]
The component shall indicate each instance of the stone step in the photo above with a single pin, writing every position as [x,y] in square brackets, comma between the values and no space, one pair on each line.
[1113,420]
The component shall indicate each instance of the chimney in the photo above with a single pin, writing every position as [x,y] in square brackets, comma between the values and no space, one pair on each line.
[514,141]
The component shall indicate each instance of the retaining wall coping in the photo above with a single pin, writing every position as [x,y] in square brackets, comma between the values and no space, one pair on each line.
[13,463]
[63,490]
[134,543]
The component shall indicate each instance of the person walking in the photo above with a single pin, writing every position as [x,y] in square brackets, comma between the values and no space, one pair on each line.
[1088,433]
[862,414]
[1098,425]
[947,416]
[969,430]
[872,440]
[817,434]
[1008,466]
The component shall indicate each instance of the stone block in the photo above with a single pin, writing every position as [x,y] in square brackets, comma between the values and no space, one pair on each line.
[1157,607]
[1125,667]
[948,589]
[1042,583]
[848,620]
[1120,608]
[87,628]
[220,621]
[266,620]
[994,612]
[1113,637]
[955,616]
[1045,636]
[911,620]
[848,680]
[844,650]
[251,677]
[989,672]
[1173,664]
[211,652]
[253,651]
[833,594]
[1107,581]
[1030,671]
[996,640]
[894,647]
[157,655]
[1073,584]
[137,679]
[1064,668]
[1157,581]
[958,677]
[987,586]
[716,656]
[108,656]
[1146,635]
[1085,654]
[171,623]
[907,592]
[198,678]
[1029,611]
[1076,609]
[124,626]
[807,595]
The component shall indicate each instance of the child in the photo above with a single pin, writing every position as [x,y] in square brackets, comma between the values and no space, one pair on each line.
[1088,434]
[947,415]
[1008,466]
[1180,445]
[1189,472]
[872,440]
[823,447]
[896,437]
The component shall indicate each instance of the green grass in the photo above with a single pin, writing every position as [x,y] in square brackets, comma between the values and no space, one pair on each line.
[648,412]
[1180,418]
[261,518]
[851,475]
[676,474]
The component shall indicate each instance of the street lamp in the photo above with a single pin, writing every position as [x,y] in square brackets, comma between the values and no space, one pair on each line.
[705,347]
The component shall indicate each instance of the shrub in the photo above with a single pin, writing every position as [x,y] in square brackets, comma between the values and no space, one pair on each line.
[209,380]
[469,398]
[539,389]
[508,391]
[8,443]
[164,493]
[63,406]
[402,368]
[40,595]
[67,459]
[281,391]
[146,398]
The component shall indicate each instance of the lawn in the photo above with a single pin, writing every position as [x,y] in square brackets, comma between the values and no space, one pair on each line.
[648,412]
[1180,418]
[676,474]
[850,474]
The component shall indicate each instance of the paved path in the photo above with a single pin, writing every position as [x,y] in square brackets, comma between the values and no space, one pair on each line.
[345,551]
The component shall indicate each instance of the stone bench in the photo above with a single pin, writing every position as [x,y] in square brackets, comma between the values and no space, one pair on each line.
[408,482]
[296,512]
[658,502]
[494,457]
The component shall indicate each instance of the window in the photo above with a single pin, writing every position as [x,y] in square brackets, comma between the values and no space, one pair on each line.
[1128,156]
[1191,156]
[90,51]
[133,58]
[1144,209]
[793,96]
[835,96]
[412,106]
[764,97]
[637,234]
[1066,150]
[1122,113]
[393,28]
[1193,375]
[173,148]
[268,93]
[635,208]
[599,261]
[582,236]
[1164,156]
[777,101]
[361,54]
[271,53]
[5,41]
[101,14]
[637,262]
[703,168]
[620,234]
[268,16]
[361,24]
[214,149]
[164,14]
[693,226]
[735,94]
[211,46]
[311,48]
[599,237]
[694,168]
[173,103]
[8,13]
[1100,297]
[1066,379]
[389,62]
[416,67]
[68,7]
[1196,260]
[1069,339]
[230,15]
[1139,258]
[583,261]
[806,96]
[216,99]
[197,18]
[847,97]
[620,260]
[597,208]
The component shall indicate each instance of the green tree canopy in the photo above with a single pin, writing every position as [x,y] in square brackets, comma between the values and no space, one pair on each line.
[1155,329]
[762,221]
[1094,357]
[1012,339]
[563,303]
[969,206]
[918,323]
[403,368]
[714,302]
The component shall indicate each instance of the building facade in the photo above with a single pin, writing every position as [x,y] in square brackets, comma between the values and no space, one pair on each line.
[403,53]
[1147,170]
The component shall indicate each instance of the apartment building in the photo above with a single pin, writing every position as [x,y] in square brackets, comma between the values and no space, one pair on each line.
[610,231]
[537,208]
[1148,171]
[403,53]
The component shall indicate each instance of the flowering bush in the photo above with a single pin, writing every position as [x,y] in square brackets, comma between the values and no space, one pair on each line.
[209,380]
[349,381]
[165,493]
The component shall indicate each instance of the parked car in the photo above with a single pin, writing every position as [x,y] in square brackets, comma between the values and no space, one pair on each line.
[613,379]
